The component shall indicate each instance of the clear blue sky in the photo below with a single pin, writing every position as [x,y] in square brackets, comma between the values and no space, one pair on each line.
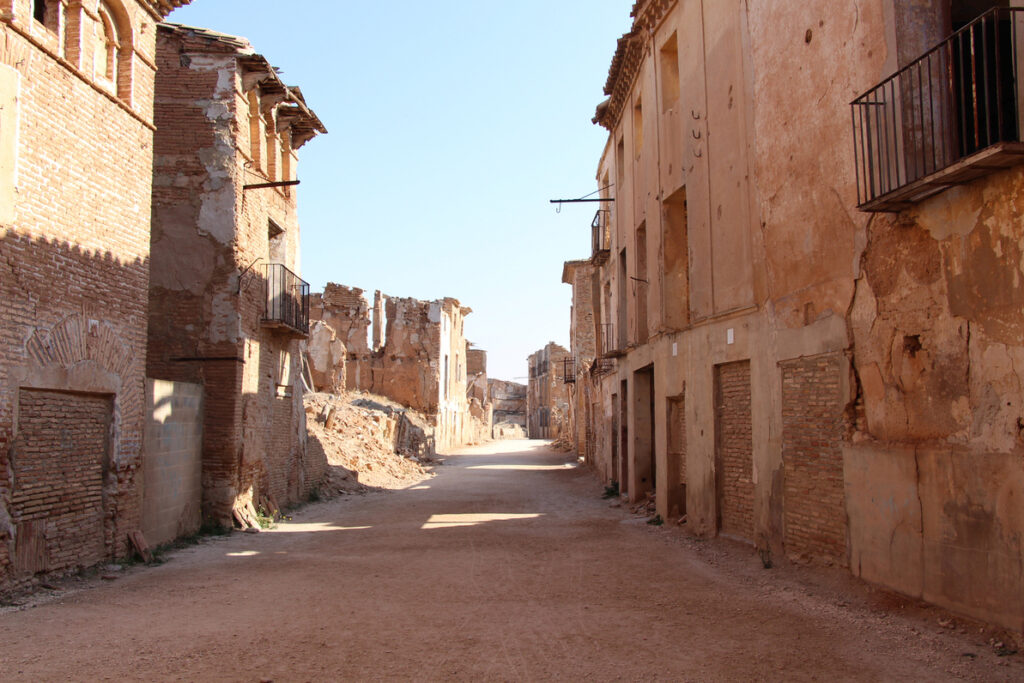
[451,124]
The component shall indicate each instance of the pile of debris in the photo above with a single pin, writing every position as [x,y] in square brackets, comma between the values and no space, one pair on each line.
[368,441]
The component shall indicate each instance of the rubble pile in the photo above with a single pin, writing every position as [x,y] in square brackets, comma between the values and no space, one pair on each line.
[368,441]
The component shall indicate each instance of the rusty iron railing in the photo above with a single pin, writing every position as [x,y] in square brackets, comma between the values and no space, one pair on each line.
[287,299]
[959,98]
[600,237]
[569,370]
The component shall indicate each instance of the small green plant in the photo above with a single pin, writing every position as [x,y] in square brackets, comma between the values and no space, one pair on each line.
[611,490]
[656,520]
[264,519]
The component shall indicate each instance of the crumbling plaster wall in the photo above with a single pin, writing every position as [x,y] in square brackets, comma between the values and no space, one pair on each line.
[423,360]
[547,398]
[508,401]
[913,318]
[211,245]
[347,311]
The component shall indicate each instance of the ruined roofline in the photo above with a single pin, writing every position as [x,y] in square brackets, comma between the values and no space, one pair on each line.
[258,71]
[629,53]
[569,269]
[161,8]
[444,302]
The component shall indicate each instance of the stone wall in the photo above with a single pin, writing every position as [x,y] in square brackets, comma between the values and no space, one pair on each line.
[172,468]
[508,404]
[423,360]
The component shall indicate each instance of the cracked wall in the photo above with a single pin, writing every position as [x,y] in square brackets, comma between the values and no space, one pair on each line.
[423,361]
[225,121]
[884,350]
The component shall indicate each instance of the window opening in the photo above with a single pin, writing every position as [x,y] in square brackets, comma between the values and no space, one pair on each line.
[638,128]
[669,74]
[39,11]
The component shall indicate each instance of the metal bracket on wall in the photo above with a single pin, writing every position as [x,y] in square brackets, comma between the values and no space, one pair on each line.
[279,183]
[238,290]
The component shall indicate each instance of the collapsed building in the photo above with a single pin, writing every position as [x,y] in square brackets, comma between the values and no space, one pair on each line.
[547,399]
[806,340]
[417,355]
[76,134]
[508,409]
[227,308]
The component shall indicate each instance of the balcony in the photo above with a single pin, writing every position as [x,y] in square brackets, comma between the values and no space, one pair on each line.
[287,301]
[949,117]
[600,236]
[568,370]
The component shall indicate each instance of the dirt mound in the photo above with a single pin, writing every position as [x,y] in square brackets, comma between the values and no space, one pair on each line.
[368,441]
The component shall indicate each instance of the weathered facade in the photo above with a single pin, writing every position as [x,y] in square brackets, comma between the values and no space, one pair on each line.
[508,409]
[418,356]
[582,352]
[76,134]
[809,340]
[226,308]
[481,411]
[547,398]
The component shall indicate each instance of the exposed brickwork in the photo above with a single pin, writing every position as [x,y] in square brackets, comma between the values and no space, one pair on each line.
[677,453]
[734,461]
[74,253]
[813,427]
[222,124]
[59,460]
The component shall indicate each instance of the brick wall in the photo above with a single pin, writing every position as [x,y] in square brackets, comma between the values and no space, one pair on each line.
[734,462]
[74,251]
[59,461]
[212,243]
[813,427]
[677,453]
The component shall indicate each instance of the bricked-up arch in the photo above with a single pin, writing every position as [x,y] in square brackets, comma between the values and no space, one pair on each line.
[87,355]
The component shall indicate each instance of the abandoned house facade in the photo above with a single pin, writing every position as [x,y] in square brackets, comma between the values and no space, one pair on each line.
[547,400]
[417,355]
[808,339]
[583,332]
[76,138]
[227,308]
[508,409]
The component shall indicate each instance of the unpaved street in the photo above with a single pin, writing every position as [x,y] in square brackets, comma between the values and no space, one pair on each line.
[507,565]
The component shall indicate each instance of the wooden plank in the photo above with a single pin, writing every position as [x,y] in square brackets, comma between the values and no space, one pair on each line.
[140,545]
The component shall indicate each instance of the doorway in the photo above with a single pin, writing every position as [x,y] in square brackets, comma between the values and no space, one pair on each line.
[643,425]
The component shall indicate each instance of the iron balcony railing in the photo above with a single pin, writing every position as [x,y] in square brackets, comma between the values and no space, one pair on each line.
[287,299]
[918,131]
[568,370]
[600,237]
[609,342]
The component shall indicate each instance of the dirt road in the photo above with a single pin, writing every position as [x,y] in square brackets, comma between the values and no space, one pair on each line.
[507,565]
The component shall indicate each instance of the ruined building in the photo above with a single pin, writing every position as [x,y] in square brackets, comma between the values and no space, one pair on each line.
[76,139]
[481,410]
[227,308]
[508,403]
[582,352]
[547,399]
[806,339]
[418,356]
